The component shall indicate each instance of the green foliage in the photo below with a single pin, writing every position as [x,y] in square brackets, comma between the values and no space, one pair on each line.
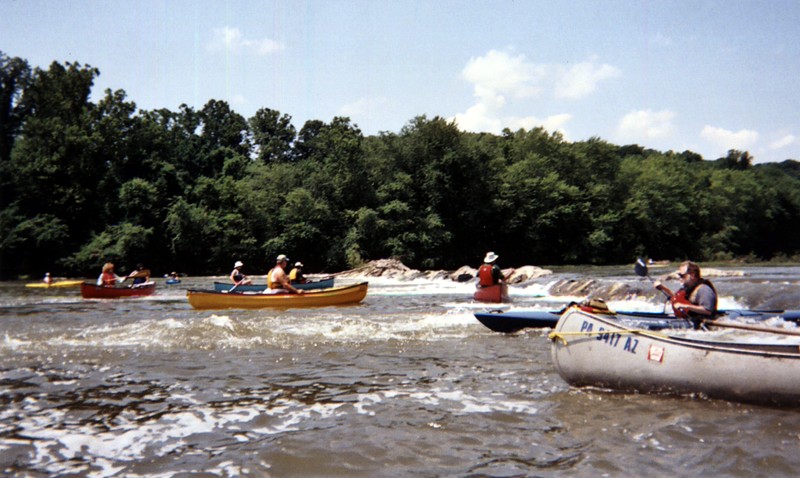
[83,182]
[117,243]
[15,78]
[273,135]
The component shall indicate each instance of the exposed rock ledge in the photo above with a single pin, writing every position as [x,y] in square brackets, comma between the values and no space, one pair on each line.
[707,272]
[394,269]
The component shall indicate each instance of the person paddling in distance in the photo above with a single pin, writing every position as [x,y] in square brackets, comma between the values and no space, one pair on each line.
[296,275]
[108,278]
[47,278]
[489,273]
[278,281]
[697,298]
[237,277]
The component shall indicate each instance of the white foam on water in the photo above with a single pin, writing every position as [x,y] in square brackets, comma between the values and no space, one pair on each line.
[390,287]
[211,331]
[14,343]
[220,321]
[530,290]
[57,438]
[457,401]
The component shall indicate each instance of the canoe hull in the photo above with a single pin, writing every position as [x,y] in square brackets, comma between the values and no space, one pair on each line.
[591,350]
[326,283]
[92,291]
[494,293]
[510,322]
[63,283]
[210,300]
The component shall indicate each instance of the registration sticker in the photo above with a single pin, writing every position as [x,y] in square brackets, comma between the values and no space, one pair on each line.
[655,354]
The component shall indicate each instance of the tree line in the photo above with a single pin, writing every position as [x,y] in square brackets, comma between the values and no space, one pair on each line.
[193,190]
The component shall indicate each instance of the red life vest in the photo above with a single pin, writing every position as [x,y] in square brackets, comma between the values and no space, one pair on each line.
[680,298]
[485,277]
[109,279]
[688,297]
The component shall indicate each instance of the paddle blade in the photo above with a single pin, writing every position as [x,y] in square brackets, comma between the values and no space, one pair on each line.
[640,267]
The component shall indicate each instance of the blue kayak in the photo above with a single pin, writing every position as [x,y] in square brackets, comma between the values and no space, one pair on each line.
[173,281]
[516,320]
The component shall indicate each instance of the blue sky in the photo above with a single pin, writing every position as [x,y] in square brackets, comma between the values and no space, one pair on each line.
[707,76]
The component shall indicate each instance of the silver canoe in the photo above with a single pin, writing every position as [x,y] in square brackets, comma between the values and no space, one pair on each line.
[591,350]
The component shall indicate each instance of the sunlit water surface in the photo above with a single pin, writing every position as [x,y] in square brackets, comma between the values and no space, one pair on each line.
[406,384]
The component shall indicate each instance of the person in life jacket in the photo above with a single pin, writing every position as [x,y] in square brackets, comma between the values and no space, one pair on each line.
[489,273]
[697,298]
[296,275]
[108,278]
[277,280]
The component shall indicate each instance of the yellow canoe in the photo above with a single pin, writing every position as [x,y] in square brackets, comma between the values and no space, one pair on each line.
[206,299]
[62,283]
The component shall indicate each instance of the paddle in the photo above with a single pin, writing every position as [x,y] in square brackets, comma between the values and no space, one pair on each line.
[755,328]
[641,270]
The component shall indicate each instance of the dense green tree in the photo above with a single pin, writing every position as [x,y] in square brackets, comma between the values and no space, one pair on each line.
[273,135]
[15,76]
[54,166]
[737,160]
[223,133]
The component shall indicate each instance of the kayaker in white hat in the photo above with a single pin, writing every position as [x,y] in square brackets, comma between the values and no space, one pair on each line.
[489,273]
[237,276]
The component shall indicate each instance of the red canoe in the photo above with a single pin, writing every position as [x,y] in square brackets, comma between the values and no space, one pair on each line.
[492,293]
[92,291]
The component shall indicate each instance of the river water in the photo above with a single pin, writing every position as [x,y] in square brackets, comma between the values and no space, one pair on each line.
[406,384]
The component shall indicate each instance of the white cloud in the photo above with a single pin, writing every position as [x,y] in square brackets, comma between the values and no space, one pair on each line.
[645,125]
[363,107]
[479,118]
[238,100]
[499,76]
[724,139]
[231,40]
[581,80]
[551,123]
[786,140]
